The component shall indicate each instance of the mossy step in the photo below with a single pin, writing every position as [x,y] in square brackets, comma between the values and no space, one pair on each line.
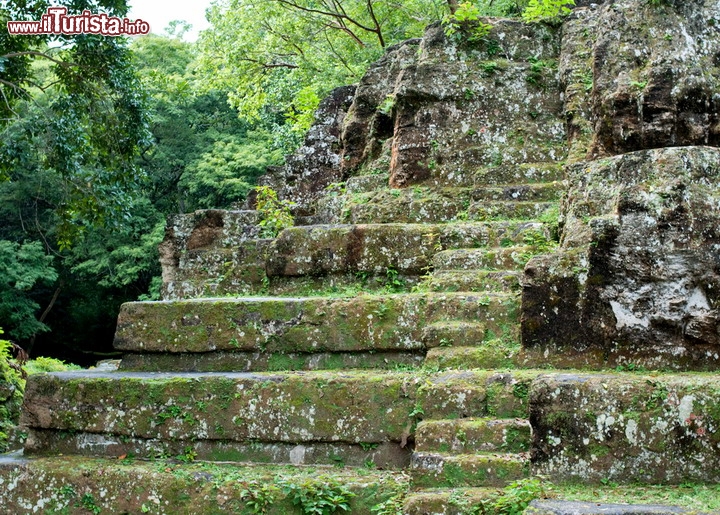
[351,407]
[523,173]
[222,361]
[454,332]
[446,501]
[437,470]
[465,436]
[490,354]
[435,205]
[376,248]
[456,394]
[473,280]
[70,484]
[366,183]
[499,210]
[215,270]
[301,325]
[384,455]
[496,258]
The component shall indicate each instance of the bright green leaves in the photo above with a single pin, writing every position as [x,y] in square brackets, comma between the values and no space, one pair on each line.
[22,268]
[465,23]
[228,170]
[275,214]
[276,57]
[547,10]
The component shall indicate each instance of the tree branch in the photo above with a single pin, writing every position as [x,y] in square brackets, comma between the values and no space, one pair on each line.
[38,54]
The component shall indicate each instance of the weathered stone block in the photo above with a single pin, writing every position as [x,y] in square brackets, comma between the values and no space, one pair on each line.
[301,325]
[637,273]
[81,485]
[626,427]
[466,436]
[431,470]
[550,507]
[291,407]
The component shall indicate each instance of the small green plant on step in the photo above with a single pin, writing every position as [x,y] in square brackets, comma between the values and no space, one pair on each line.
[258,497]
[275,214]
[322,496]
[514,498]
[465,23]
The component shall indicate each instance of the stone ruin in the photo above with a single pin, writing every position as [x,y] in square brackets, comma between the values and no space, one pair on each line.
[505,262]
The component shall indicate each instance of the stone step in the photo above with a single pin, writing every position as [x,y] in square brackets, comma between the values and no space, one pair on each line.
[366,183]
[496,258]
[490,354]
[626,427]
[508,210]
[331,259]
[438,470]
[215,271]
[301,325]
[70,484]
[377,248]
[555,507]
[457,394]
[465,436]
[435,205]
[222,361]
[523,173]
[473,280]
[212,228]
[446,501]
[384,455]
[220,415]
[450,333]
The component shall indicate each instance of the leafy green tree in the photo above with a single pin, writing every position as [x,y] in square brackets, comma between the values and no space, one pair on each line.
[279,57]
[82,118]
[22,267]
[204,156]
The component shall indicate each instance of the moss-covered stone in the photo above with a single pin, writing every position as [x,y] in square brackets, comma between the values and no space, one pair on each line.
[434,470]
[626,427]
[462,394]
[221,361]
[465,436]
[282,407]
[79,486]
[385,455]
[303,325]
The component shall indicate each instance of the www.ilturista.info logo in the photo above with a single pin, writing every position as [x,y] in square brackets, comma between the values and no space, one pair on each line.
[57,21]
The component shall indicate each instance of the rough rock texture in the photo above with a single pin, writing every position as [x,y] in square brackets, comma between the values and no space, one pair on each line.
[656,75]
[289,408]
[638,277]
[305,174]
[291,325]
[545,507]
[437,110]
[626,427]
[635,282]
[79,486]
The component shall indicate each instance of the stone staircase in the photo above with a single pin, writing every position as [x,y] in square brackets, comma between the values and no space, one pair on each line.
[378,340]
[401,377]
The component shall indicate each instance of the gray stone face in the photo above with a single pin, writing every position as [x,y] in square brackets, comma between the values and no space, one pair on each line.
[546,507]
[626,427]
[637,276]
